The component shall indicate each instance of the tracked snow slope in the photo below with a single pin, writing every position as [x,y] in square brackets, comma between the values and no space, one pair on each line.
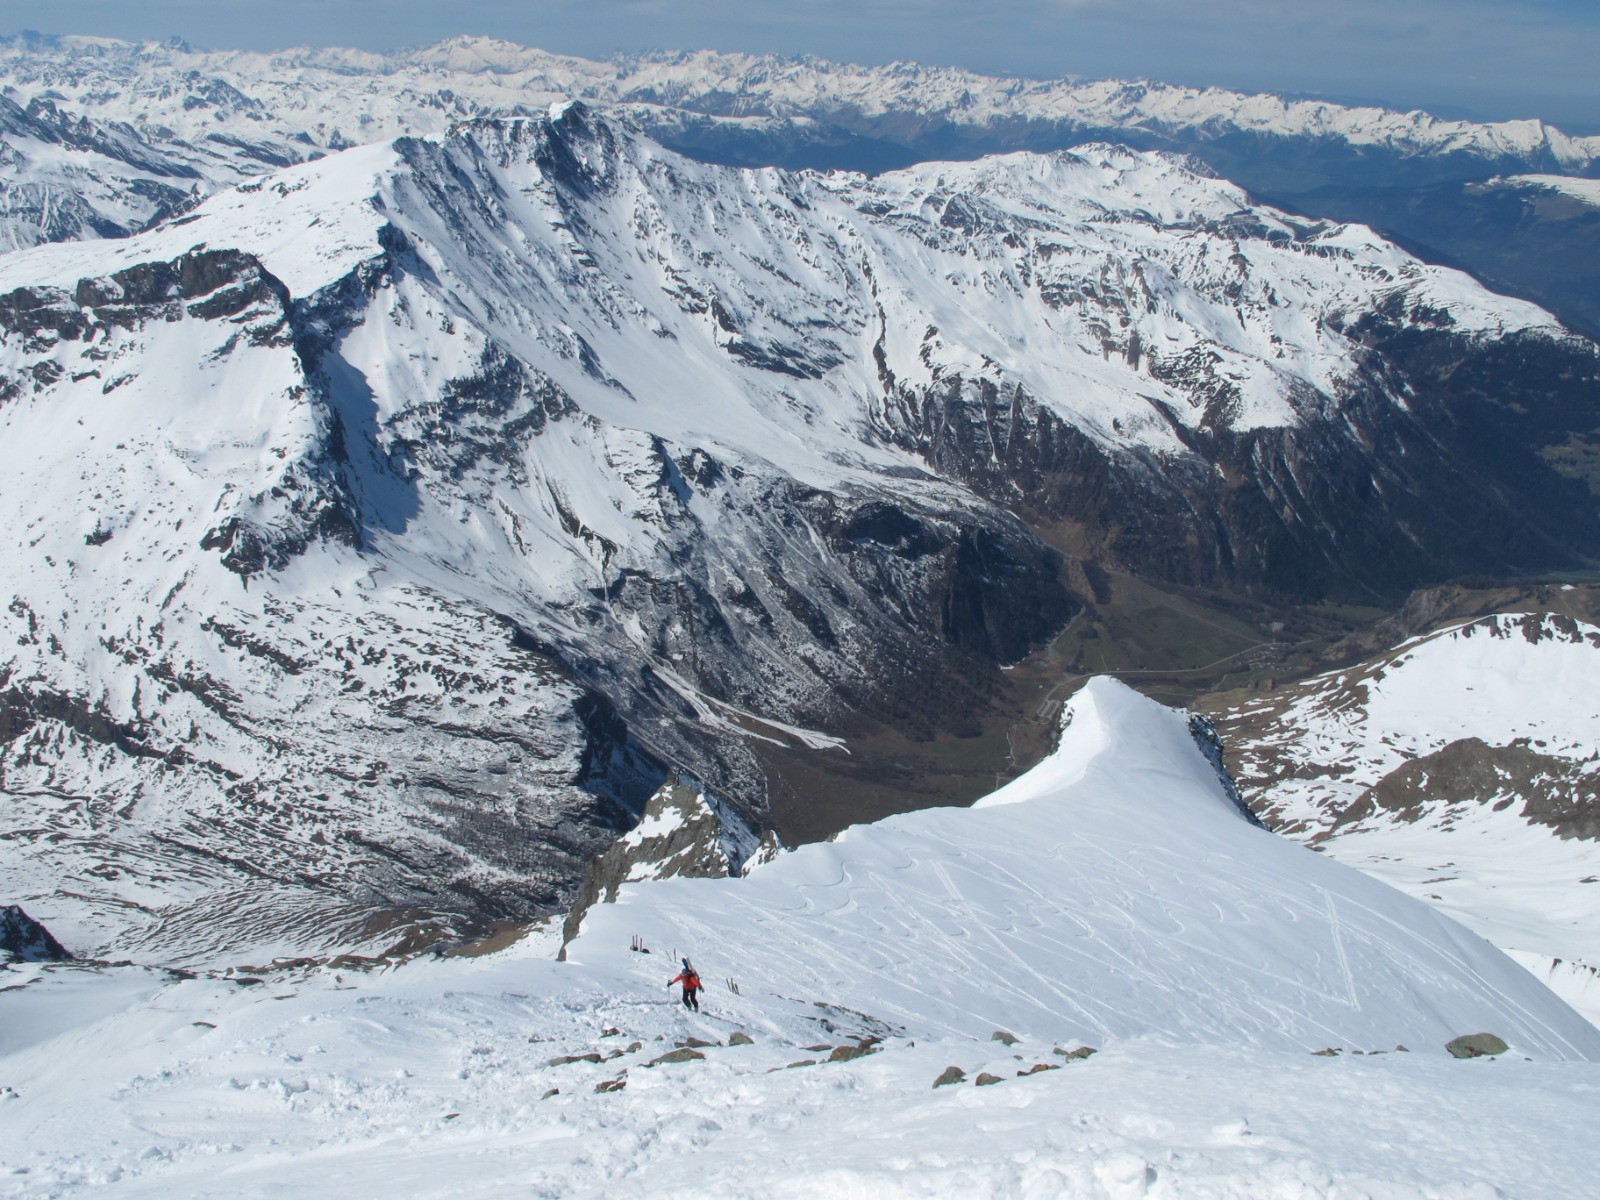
[1112,895]
[1460,767]
[444,1079]
[1113,891]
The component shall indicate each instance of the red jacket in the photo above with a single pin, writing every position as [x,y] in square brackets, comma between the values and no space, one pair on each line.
[690,981]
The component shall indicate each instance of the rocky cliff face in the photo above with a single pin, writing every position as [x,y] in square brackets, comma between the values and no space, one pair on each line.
[388,531]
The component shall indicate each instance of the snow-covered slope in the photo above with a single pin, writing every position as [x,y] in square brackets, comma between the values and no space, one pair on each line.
[1460,767]
[1113,891]
[349,510]
[1586,191]
[1114,894]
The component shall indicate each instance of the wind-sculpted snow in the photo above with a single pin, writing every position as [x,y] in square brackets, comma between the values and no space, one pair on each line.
[1113,891]
[1458,767]
[537,437]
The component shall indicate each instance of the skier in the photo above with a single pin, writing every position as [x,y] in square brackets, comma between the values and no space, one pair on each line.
[691,986]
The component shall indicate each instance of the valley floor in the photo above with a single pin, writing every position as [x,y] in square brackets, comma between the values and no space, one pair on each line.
[436,1078]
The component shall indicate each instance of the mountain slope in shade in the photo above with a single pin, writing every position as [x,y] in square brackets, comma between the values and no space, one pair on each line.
[386,530]
[1115,892]
[1461,768]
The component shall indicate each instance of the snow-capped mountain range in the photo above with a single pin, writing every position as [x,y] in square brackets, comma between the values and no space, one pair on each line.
[346,97]
[103,136]
[384,530]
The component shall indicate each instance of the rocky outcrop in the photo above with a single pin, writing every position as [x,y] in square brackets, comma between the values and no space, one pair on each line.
[22,939]
[1209,742]
[1559,793]
[684,832]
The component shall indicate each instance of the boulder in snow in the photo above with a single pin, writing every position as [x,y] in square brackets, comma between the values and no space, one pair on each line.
[1476,1045]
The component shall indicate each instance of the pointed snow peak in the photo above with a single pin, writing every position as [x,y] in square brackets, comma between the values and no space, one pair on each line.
[571,144]
[1112,733]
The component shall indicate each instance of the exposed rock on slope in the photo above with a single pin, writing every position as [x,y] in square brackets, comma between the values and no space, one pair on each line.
[684,832]
[22,939]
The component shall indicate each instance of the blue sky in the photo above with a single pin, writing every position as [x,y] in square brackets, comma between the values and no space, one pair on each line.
[1499,58]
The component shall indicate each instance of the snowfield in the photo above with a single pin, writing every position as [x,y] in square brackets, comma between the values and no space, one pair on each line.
[1060,914]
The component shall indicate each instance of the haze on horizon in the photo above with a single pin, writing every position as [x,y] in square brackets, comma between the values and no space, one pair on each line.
[1494,59]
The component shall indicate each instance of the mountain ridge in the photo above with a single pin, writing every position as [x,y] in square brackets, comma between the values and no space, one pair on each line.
[225,116]
[1105,983]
